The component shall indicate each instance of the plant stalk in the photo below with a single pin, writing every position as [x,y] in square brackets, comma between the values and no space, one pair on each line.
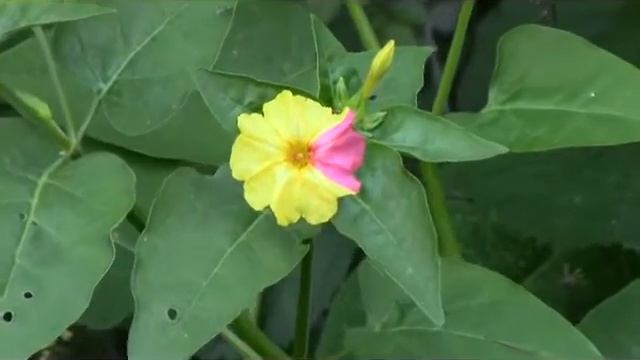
[449,245]
[251,334]
[301,341]
[55,78]
[245,350]
[363,26]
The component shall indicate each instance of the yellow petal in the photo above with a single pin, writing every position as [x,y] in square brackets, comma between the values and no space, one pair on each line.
[306,193]
[249,156]
[296,118]
[256,127]
[260,189]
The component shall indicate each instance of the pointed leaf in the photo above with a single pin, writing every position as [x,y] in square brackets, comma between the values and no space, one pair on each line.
[613,325]
[55,216]
[203,258]
[279,52]
[432,138]
[390,220]
[18,15]
[549,91]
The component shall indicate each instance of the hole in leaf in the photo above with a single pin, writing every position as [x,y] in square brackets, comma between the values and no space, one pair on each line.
[27,294]
[373,97]
[172,314]
[34,223]
[22,216]
[7,316]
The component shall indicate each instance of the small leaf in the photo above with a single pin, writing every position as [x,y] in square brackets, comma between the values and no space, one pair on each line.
[56,216]
[278,52]
[613,325]
[390,220]
[400,85]
[549,91]
[17,15]
[204,251]
[432,138]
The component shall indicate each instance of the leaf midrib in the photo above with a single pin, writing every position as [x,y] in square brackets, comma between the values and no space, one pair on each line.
[42,181]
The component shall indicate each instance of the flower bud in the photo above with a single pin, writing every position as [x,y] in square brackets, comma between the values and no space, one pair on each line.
[379,66]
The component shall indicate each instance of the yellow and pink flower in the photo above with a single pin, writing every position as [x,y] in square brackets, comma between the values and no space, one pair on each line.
[297,158]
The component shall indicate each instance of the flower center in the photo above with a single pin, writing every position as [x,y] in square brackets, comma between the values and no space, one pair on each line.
[298,154]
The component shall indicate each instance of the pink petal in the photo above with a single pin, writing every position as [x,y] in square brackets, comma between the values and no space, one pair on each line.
[339,152]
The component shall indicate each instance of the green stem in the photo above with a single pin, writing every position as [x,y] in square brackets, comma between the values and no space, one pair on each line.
[55,77]
[449,245]
[242,347]
[301,342]
[251,334]
[453,58]
[363,26]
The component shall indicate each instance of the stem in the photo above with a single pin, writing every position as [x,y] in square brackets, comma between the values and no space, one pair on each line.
[53,72]
[453,58]
[301,342]
[363,26]
[242,347]
[249,332]
[449,245]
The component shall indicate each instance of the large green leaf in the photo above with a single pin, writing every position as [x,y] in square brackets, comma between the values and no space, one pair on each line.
[55,216]
[432,138]
[281,52]
[613,325]
[21,14]
[549,91]
[390,220]
[568,198]
[202,259]
[483,309]
[115,83]
[228,96]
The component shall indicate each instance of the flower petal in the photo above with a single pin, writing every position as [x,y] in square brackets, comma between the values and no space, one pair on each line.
[256,127]
[309,194]
[249,156]
[260,189]
[339,152]
[297,118]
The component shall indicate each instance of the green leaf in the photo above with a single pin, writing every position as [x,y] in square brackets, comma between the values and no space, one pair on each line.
[112,301]
[432,138]
[549,91]
[21,14]
[613,325]
[204,251]
[401,84]
[56,216]
[578,197]
[120,89]
[228,96]
[279,52]
[390,220]
[483,309]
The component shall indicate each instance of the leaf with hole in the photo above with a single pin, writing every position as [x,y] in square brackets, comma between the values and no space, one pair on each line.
[56,215]
[204,251]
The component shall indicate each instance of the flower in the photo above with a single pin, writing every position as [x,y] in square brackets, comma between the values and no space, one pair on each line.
[379,67]
[298,158]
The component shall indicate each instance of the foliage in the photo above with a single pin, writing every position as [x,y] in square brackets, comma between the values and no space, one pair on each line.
[119,212]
